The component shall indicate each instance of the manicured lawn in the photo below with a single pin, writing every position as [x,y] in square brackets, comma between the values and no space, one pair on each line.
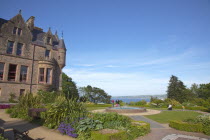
[166,116]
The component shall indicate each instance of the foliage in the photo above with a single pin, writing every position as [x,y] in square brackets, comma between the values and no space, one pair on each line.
[2,138]
[177,90]
[185,126]
[69,87]
[173,102]
[89,124]
[134,130]
[67,129]
[112,120]
[12,98]
[204,91]
[201,102]
[121,135]
[95,95]
[25,102]
[166,116]
[205,120]
[138,128]
[48,97]
[156,102]
[64,109]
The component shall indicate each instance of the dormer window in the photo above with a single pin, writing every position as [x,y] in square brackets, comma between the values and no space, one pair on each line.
[19,49]
[14,30]
[17,31]
[47,54]
[48,40]
[10,45]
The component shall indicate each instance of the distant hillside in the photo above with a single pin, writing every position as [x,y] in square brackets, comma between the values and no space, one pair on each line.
[163,96]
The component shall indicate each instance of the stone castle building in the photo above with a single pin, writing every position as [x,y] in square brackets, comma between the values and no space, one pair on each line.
[30,59]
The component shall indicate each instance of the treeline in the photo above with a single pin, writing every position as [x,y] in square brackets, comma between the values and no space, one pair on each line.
[84,94]
[178,91]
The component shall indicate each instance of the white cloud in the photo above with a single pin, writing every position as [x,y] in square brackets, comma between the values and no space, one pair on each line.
[119,83]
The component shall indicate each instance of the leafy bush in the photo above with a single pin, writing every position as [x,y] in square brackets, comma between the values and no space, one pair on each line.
[205,120]
[112,120]
[25,102]
[12,98]
[63,109]
[2,138]
[138,128]
[121,135]
[190,127]
[173,102]
[47,97]
[85,127]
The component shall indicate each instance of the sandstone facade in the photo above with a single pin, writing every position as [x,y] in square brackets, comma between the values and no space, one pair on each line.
[30,59]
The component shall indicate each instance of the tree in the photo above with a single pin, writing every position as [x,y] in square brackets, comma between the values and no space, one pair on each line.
[204,91]
[177,90]
[95,94]
[69,87]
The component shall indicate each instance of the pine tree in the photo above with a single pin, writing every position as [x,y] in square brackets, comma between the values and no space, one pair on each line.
[176,89]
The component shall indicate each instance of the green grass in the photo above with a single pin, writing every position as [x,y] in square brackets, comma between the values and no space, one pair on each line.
[166,116]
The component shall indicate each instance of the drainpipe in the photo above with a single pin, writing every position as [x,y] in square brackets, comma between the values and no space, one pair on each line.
[32,71]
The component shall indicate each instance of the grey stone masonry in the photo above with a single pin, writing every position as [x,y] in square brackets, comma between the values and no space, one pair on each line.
[30,59]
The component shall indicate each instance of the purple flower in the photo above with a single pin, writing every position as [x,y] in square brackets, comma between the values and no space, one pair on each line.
[67,129]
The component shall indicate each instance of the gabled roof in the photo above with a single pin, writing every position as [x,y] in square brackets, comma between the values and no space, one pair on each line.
[2,21]
[39,36]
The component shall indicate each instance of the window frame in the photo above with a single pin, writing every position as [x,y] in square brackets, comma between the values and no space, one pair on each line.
[21,50]
[41,75]
[9,73]
[49,76]
[15,30]
[1,79]
[47,56]
[10,47]
[25,75]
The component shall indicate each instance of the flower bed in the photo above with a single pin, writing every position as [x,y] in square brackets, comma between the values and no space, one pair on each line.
[5,106]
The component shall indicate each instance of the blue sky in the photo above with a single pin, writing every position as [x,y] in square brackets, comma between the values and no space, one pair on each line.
[127,47]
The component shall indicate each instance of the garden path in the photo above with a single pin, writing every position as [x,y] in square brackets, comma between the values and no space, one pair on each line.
[35,131]
[164,132]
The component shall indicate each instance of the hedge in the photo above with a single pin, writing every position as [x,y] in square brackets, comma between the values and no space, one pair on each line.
[190,127]
[121,135]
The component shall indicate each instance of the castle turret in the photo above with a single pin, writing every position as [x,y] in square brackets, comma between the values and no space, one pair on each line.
[61,53]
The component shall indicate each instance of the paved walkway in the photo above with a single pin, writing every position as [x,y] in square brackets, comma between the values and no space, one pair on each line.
[35,131]
[158,131]
[164,132]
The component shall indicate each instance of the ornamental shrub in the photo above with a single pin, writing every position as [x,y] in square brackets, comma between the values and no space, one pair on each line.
[2,138]
[205,120]
[138,128]
[24,103]
[185,126]
[112,120]
[63,109]
[121,135]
